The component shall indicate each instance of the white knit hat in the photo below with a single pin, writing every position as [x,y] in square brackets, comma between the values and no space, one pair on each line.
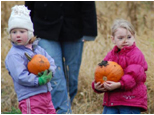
[20,18]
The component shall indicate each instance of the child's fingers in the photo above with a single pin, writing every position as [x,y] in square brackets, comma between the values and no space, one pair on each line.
[99,86]
[109,82]
[39,74]
[103,89]
[107,86]
[98,83]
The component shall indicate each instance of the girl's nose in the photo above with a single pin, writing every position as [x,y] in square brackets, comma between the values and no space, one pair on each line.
[125,39]
[18,35]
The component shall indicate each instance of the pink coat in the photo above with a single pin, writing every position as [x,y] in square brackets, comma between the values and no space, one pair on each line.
[133,91]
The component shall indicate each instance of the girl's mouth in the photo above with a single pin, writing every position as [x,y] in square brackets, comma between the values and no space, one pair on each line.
[124,45]
[18,41]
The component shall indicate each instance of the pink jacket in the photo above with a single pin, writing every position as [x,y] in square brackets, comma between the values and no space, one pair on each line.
[133,92]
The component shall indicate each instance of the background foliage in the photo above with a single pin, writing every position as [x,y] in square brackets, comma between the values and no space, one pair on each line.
[141,15]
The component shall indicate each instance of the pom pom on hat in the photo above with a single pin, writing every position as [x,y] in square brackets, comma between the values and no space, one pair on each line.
[20,18]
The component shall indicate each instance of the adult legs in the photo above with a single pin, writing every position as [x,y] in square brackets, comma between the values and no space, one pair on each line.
[72,51]
[59,93]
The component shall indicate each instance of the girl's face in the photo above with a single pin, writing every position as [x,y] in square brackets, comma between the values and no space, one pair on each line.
[122,38]
[19,36]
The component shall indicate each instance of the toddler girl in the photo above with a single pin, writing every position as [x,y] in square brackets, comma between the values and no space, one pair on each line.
[129,95]
[33,92]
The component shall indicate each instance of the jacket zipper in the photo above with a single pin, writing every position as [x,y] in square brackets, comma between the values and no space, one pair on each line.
[118,57]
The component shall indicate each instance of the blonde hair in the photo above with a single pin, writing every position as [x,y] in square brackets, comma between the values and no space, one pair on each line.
[121,23]
[32,39]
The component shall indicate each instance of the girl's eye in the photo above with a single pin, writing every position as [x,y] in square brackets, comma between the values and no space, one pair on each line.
[14,32]
[129,37]
[22,31]
[120,38]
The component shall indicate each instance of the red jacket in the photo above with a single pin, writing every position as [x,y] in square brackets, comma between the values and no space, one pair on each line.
[133,91]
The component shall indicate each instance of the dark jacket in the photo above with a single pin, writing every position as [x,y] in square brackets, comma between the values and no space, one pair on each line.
[63,20]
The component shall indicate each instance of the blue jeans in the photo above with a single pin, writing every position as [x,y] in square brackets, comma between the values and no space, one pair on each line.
[121,110]
[66,75]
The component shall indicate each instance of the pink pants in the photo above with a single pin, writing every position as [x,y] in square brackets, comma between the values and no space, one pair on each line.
[37,104]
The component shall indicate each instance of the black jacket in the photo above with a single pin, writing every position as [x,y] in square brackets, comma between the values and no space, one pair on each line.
[63,20]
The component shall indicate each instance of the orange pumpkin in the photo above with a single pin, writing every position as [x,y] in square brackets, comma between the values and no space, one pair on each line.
[108,71]
[37,64]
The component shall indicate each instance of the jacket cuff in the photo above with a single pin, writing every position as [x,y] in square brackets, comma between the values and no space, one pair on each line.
[36,81]
[122,84]
[88,38]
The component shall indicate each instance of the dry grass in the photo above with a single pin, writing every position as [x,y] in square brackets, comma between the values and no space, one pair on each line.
[141,15]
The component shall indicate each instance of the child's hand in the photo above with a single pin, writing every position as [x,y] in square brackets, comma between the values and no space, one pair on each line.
[45,78]
[98,86]
[41,73]
[110,85]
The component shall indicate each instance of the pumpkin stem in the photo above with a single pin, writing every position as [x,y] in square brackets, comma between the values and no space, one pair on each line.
[28,57]
[103,63]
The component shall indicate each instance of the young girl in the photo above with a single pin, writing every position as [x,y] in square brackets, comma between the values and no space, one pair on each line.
[33,92]
[129,95]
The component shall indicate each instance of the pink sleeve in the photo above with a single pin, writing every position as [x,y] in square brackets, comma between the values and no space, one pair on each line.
[135,72]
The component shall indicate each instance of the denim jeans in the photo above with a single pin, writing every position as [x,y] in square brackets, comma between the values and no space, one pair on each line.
[66,75]
[121,110]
